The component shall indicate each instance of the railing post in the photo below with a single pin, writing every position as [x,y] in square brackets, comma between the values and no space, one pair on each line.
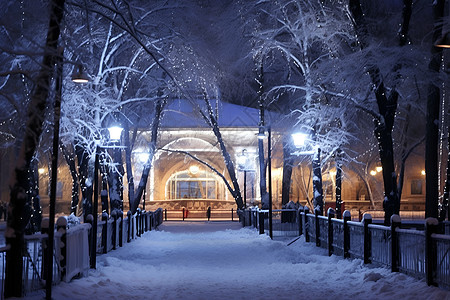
[44,230]
[165,214]
[138,223]
[261,222]
[316,214]
[299,220]
[347,217]
[183,213]
[129,226]
[395,223]
[330,215]
[367,219]
[120,216]
[114,235]
[61,227]
[105,232]
[232,215]
[431,226]
[152,220]
[306,225]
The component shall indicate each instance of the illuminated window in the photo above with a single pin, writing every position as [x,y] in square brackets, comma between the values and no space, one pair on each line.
[187,185]
[416,187]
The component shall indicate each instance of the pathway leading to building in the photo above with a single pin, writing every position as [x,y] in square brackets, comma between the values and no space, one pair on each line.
[221,260]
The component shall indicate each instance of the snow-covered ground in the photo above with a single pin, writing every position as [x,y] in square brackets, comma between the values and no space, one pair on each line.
[221,260]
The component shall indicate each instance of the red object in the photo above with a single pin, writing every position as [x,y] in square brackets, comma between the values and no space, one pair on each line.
[333,206]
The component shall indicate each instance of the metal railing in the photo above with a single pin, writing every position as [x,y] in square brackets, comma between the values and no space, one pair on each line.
[414,249]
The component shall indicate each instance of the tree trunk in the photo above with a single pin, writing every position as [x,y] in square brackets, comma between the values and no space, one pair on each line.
[432,117]
[18,214]
[115,182]
[317,183]
[288,161]
[70,160]
[387,107]
[338,162]
[159,106]
[84,158]
[226,157]
[128,148]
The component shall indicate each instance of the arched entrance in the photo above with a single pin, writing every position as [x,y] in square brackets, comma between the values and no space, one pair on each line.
[195,188]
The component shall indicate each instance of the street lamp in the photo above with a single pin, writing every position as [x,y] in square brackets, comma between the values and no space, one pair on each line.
[299,140]
[114,135]
[261,136]
[54,166]
[245,164]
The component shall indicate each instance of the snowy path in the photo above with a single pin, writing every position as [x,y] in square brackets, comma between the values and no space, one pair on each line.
[195,261]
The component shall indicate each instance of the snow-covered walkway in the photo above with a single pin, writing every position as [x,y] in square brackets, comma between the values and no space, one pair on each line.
[200,260]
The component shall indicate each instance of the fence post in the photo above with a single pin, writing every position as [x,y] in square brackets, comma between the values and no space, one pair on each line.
[61,227]
[105,232]
[299,220]
[145,226]
[431,226]
[261,222]
[44,230]
[330,215]
[183,213]
[306,225]
[347,217]
[129,226]
[208,213]
[114,235]
[138,222]
[92,242]
[395,223]
[316,214]
[367,219]
[232,215]
[165,214]
[152,220]
[120,216]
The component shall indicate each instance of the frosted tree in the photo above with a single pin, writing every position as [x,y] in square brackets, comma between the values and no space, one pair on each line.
[303,34]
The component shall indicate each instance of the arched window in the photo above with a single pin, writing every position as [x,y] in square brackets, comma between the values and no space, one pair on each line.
[189,185]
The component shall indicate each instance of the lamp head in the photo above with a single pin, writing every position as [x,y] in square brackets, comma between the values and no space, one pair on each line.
[299,139]
[443,41]
[78,76]
[115,132]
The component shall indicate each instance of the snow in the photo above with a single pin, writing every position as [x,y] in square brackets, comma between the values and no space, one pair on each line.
[221,260]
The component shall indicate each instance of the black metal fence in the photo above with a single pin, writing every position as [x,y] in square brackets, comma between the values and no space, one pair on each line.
[419,250]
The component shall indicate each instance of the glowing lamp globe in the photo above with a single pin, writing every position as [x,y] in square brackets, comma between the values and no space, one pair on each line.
[299,139]
[115,133]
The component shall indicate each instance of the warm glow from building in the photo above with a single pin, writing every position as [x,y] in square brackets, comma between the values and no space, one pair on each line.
[41,170]
[423,172]
[373,172]
[194,169]
[379,169]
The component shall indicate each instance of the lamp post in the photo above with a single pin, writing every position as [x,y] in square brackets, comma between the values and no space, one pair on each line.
[299,140]
[269,166]
[54,166]
[114,135]
[245,165]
